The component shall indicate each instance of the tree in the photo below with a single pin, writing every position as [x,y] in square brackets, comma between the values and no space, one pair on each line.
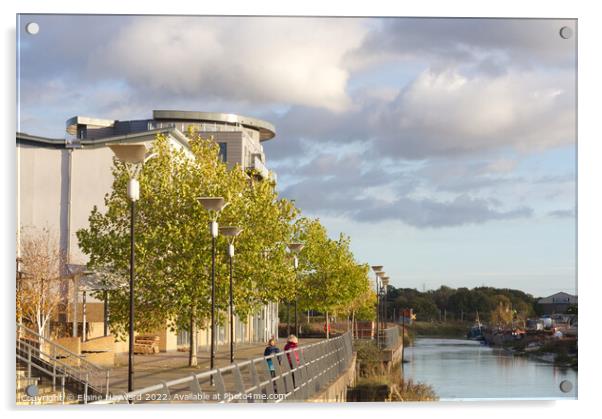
[333,280]
[425,309]
[39,288]
[502,315]
[173,242]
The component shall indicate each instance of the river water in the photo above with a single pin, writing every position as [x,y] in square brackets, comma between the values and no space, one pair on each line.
[469,370]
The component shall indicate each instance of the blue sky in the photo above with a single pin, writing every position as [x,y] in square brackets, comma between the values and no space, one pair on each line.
[444,147]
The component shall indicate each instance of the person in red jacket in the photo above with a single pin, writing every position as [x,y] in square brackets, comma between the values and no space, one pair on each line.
[292,345]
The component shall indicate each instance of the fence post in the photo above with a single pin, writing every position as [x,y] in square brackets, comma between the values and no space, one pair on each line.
[107,383]
[86,390]
[54,360]
[29,362]
[63,389]
[238,382]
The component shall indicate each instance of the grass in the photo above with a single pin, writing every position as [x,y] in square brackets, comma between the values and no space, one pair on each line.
[408,391]
[390,386]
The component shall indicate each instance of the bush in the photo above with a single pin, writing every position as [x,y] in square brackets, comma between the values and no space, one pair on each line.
[407,391]
[369,358]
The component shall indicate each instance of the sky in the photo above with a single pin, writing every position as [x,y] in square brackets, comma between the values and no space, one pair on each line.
[445,148]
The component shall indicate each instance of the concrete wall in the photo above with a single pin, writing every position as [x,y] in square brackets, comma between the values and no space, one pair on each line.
[336,392]
[41,189]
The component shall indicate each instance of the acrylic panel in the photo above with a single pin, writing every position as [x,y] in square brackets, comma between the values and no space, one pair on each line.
[222,209]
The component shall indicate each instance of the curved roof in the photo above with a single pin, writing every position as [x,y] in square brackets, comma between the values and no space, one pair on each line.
[266,130]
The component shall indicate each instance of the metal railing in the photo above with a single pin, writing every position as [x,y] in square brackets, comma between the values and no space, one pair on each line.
[57,362]
[388,338]
[297,374]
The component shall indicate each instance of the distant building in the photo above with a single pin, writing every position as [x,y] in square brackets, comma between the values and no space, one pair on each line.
[60,180]
[557,303]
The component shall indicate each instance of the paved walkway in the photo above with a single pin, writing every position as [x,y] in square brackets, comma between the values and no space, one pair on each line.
[164,366]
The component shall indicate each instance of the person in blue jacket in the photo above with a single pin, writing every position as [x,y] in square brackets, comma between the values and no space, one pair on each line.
[270,350]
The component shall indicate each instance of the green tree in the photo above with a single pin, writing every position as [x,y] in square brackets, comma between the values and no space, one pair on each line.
[333,280]
[173,243]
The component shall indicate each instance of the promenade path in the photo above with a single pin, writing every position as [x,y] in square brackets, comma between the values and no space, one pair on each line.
[164,366]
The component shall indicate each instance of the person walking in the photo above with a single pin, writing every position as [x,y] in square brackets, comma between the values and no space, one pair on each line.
[271,349]
[291,345]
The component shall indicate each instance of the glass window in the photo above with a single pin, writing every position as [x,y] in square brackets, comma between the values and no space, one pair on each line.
[223,152]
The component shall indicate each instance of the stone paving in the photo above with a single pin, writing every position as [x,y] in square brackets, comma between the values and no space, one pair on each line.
[164,366]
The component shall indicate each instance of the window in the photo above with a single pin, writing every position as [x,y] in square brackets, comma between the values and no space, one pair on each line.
[223,152]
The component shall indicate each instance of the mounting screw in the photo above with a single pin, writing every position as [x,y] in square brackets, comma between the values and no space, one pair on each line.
[566,386]
[32,28]
[31,390]
[566,32]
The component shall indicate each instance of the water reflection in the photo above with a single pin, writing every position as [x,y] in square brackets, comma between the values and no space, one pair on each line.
[464,369]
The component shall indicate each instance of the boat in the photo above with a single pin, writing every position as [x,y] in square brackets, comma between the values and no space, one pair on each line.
[476,331]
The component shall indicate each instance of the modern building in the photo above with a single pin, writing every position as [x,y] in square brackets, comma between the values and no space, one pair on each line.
[239,137]
[59,181]
[557,303]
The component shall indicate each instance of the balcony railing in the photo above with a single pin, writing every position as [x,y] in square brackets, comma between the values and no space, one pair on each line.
[259,167]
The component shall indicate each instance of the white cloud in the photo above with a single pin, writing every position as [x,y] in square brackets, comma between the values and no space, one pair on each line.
[450,113]
[279,60]
[501,165]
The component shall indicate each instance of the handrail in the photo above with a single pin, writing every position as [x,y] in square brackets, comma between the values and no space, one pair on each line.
[59,347]
[386,339]
[253,380]
[89,375]
[390,337]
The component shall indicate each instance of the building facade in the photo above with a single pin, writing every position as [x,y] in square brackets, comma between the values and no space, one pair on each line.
[557,303]
[59,181]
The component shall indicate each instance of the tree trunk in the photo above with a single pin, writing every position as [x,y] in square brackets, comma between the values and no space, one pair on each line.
[192,353]
[327,326]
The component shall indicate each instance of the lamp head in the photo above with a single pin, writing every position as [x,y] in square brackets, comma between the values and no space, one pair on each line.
[129,153]
[295,247]
[230,231]
[212,203]
[377,268]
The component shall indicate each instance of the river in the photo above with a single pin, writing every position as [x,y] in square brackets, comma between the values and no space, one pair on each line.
[468,370]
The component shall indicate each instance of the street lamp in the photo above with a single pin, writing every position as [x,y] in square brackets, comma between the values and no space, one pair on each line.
[295,248]
[214,205]
[232,233]
[378,270]
[135,155]
[385,280]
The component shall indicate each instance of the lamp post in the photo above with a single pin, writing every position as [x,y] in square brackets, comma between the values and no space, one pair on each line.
[232,233]
[135,155]
[385,291]
[214,205]
[295,248]
[378,270]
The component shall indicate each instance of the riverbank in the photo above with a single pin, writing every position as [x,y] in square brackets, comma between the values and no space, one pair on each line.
[450,329]
[377,383]
[560,352]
